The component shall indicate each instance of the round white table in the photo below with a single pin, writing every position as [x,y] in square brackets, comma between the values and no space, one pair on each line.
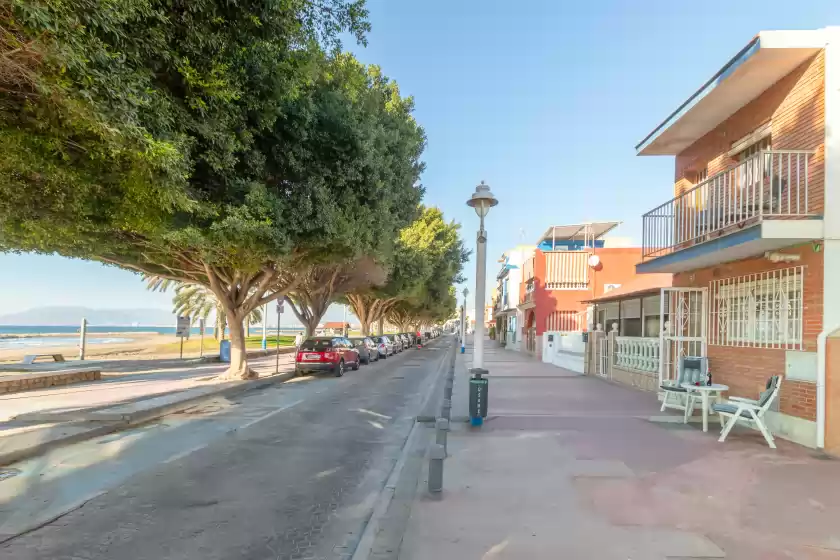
[704,391]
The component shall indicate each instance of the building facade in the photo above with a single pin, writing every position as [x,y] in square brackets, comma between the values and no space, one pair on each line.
[506,313]
[571,264]
[751,228]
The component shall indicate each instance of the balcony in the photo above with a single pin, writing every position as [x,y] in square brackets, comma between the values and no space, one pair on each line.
[527,299]
[764,203]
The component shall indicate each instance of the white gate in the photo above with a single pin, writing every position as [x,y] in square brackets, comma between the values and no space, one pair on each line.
[603,355]
[682,315]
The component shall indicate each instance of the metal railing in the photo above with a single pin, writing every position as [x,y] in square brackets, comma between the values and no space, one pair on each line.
[771,183]
[637,353]
[528,295]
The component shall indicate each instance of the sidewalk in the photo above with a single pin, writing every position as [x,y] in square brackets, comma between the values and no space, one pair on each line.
[34,421]
[568,466]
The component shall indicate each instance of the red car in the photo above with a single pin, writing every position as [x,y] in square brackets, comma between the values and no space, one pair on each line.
[334,354]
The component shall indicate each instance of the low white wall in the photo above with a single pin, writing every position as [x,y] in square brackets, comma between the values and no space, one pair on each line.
[566,349]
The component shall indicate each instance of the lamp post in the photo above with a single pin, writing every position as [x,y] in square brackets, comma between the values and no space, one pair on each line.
[464,320]
[482,200]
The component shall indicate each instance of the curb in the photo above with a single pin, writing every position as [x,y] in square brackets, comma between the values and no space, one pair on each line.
[131,420]
[364,547]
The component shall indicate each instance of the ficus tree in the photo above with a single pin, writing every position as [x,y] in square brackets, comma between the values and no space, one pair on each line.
[427,260]
[326,283]
[207,142]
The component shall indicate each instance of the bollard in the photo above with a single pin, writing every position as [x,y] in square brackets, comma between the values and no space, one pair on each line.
[446,408]
[441,427]
[436,456]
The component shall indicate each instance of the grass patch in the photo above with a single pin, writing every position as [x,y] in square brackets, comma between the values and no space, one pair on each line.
[211,345]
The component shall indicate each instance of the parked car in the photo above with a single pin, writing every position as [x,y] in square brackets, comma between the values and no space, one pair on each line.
[406,340]
[385,346]
[326,353]
[366,348]
[398,342]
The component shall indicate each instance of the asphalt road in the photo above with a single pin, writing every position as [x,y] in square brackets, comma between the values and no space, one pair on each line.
[286,473]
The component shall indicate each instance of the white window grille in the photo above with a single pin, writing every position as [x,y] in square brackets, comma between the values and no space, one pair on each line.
[565,321]
[762,310]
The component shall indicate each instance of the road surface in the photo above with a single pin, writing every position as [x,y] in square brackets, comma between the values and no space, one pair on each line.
[285,473]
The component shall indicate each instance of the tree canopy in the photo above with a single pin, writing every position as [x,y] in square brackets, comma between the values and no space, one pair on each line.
[209,142]
[426,262]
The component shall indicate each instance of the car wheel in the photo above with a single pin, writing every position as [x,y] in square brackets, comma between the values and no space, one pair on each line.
[339,369]
[298,372]
[357,364]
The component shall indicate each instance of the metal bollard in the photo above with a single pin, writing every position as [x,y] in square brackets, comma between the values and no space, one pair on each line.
[441,427]
[436,456]
[446,408]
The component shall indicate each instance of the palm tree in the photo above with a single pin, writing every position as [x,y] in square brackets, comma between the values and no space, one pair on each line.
[197,302]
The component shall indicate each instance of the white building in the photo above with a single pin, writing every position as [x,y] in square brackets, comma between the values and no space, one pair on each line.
[508,282]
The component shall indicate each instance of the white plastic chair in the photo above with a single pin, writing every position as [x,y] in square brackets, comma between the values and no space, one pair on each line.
[740,409]
[689,368]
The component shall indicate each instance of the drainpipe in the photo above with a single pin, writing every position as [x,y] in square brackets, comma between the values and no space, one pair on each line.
[821,342]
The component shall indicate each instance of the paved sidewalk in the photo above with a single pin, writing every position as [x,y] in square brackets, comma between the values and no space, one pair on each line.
[568,466]
[32,422]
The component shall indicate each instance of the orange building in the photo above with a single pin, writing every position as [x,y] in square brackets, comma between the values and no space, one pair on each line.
[571,264]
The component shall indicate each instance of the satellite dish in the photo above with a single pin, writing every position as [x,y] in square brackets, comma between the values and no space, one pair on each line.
[594,260]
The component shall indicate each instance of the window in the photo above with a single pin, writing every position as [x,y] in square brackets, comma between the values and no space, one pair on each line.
[562,321]
[753,149]
[318,344]
[758,310]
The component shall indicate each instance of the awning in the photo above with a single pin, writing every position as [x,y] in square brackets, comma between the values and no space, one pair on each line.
[765,60]
[645,284]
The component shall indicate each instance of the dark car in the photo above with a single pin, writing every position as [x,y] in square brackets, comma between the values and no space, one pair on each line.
[326,353]
[367,349]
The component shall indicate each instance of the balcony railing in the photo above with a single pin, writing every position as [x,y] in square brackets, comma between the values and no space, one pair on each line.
[769,184]
[528,296]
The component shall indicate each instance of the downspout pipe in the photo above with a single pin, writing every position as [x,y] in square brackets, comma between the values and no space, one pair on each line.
[822,339]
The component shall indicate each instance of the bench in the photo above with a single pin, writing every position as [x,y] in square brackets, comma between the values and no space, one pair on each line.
[30,358]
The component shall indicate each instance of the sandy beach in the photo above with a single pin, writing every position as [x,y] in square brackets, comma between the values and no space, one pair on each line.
[140,345]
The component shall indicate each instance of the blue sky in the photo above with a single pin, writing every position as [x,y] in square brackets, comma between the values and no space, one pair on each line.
[542,99]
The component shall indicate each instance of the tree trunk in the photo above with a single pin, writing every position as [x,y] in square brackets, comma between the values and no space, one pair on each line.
[239,368]
[311,326]
[380,328]
[365,327]
[248,328]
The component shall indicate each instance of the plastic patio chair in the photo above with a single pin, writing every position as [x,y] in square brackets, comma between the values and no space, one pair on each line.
[740,409]
[691,368]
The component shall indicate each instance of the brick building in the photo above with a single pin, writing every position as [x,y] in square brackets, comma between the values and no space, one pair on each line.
[570,264]
[752,234]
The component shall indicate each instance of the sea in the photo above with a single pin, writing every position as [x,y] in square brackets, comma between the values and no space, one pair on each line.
[22,336]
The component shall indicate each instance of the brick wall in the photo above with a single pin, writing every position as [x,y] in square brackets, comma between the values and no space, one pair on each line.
[746,370]
[617,266]
[795,105]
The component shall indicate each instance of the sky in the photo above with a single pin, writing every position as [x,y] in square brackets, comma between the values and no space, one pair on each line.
[542,99]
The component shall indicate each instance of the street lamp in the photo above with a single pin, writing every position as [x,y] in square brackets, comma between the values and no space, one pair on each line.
[464,319]
[482,200]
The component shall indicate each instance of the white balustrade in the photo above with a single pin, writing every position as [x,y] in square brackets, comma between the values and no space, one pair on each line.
[637,353]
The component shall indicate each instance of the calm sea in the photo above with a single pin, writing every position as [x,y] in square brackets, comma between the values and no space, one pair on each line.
[17,336]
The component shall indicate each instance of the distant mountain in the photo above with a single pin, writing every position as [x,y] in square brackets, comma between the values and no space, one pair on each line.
[55,315]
